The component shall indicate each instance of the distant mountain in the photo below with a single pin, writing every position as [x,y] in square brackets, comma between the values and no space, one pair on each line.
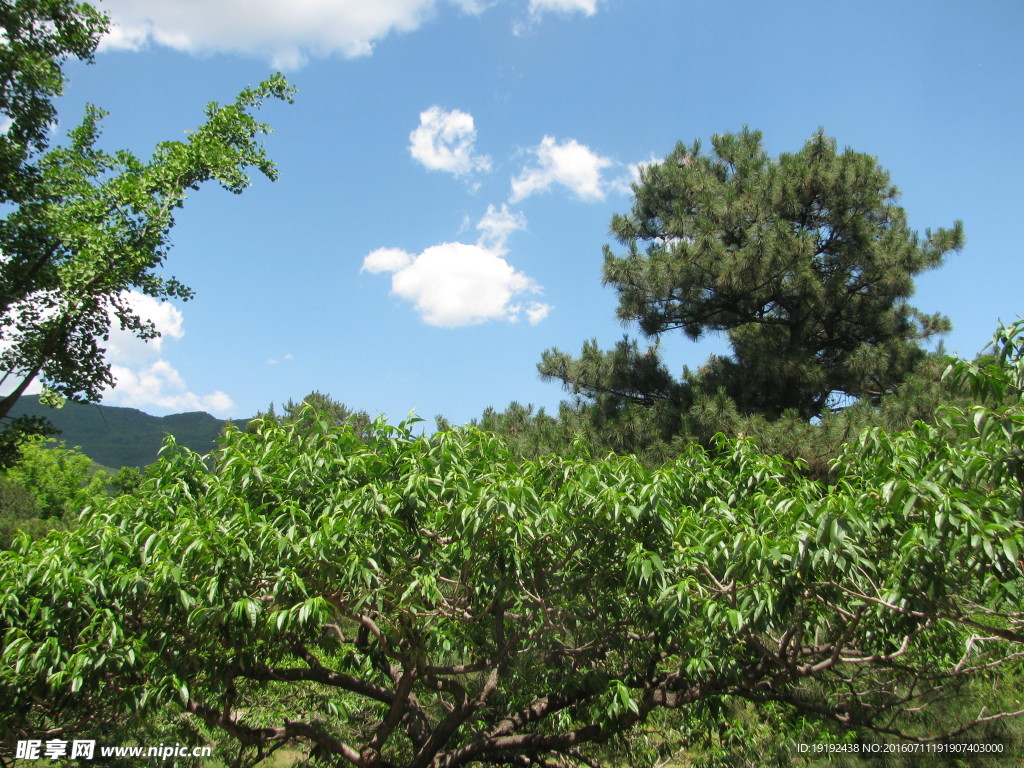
[117,437]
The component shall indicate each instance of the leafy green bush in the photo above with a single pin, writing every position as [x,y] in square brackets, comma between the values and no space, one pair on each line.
[46,489]
[388,600]
[61,479]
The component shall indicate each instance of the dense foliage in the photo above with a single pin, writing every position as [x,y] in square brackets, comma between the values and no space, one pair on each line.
[389,600]
[47,489]
[656,430]
[39,36]
[326,582]
[329,409]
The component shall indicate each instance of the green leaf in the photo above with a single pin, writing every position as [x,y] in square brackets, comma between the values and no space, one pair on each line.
[735,620]
[1010,550]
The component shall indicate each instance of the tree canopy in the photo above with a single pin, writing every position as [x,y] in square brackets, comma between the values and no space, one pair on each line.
[39,36]
[325,405]
[403,601]
[48,487]
[806,262]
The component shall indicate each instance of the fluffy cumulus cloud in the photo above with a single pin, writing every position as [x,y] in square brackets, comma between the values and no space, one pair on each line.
[286,33]
[444,141]
[125,347]
[143,378]
[458,284]
[160,385]
[569,163]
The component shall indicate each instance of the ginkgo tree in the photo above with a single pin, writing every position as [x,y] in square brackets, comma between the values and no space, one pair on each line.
[83,226]
[390,600]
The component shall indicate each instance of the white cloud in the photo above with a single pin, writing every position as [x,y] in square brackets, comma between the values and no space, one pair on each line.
[286,33]
[35,388]
[458,284]
[475,7]
[497,226]
[143,378]
[539,8]
[386,260]
[571,164]
[587,7]
[443,141]
[537,312]
[125,347]
[160,385]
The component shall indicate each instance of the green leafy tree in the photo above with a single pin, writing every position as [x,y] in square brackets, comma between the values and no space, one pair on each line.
[400,601]
[126,480]
[62,479]
[85,226]
[39,36]
[47,489]
[626,399]
[18,512]
[333,410]
[528,433]
[806,262]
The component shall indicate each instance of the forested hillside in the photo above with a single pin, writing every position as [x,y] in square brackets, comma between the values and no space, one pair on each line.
[124,437]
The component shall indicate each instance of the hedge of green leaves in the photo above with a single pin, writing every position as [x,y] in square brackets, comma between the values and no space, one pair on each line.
[428,601]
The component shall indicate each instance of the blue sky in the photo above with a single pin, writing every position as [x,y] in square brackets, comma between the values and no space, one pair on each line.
[449,171]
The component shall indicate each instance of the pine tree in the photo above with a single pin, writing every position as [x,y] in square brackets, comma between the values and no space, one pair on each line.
[806,262]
